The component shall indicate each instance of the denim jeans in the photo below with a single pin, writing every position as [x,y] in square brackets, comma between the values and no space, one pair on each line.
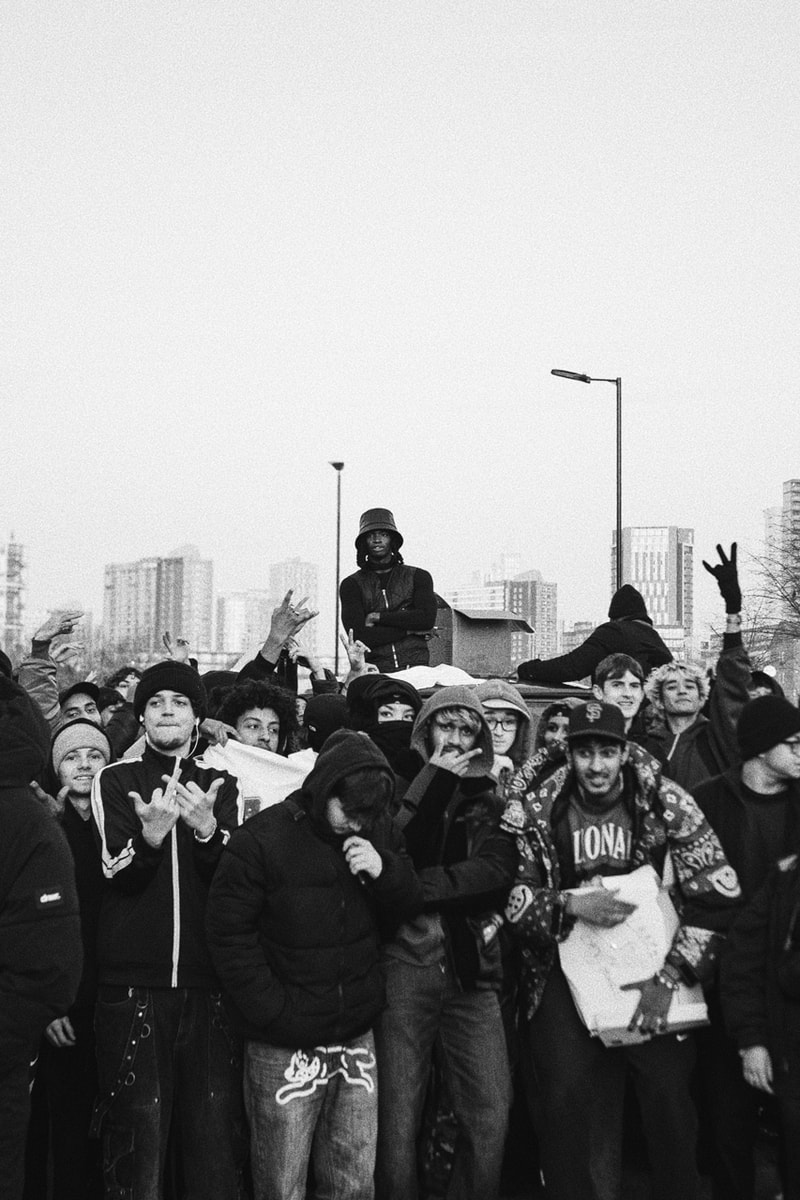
[166,1056]
[423,1004]
[318,1104]
[579,1089]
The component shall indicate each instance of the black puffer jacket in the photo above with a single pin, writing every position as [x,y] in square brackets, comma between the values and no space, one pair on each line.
[292,933]
[40,936]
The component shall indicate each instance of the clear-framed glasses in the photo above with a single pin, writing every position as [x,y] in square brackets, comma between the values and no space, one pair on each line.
[504,723]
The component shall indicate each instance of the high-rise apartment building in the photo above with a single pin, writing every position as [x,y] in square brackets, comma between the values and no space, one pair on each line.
[301,577]
[791,511]
[659,561]
[243,620]
[146,598]
[12,595]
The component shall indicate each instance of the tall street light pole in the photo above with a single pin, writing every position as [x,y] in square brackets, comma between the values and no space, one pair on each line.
[338,468]
[618,384]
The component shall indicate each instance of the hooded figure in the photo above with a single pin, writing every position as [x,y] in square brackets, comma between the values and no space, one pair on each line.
[293,931]
[443,969]
[628,631]
[501,702]
[391,728]
[388,605]
[40,936]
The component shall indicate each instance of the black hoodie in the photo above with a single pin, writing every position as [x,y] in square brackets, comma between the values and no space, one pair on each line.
[292,933]
[40,936]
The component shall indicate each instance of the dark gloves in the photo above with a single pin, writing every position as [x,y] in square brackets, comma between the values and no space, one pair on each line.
[727,579]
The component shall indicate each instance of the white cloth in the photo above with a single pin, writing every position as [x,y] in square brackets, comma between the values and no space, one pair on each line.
[264,778]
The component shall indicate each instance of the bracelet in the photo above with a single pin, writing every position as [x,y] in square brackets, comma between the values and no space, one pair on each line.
[203,840]
[667,979]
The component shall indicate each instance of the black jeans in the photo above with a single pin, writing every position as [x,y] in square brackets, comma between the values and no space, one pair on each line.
[579,1087]
[166,1056]
[15,1079]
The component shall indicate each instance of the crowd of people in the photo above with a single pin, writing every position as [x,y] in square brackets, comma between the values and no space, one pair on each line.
[361,989]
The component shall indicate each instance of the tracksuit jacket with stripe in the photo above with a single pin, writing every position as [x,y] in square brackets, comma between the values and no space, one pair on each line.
[152,917]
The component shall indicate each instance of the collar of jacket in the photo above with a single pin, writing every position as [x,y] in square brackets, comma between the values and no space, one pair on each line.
[522,813]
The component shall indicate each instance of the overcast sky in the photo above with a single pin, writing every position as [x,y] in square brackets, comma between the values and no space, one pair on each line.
[242,239]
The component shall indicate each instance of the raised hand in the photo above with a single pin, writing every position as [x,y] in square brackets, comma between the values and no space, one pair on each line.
[452,760]
[196,807]
[58,624]
[355,650]
[177,650]
[727,578]
[160,815]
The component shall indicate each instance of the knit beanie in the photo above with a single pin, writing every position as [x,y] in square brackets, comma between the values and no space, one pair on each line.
[764,723]
[78,735]
[628,602]
[171,676]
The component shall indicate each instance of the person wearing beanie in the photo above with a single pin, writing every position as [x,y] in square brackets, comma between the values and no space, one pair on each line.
[65,1087]
[323,716]
[629,630]
[606,812]
[163,820]
[698,746]
[754,808]
[293,929]
[40,936]
[386,604]
[444,969]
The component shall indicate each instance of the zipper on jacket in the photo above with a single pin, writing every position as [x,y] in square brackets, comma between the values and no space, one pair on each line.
[176,885]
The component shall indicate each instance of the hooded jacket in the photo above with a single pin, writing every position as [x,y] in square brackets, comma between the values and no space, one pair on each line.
[465,861]
[664,816]
[489,690]
[40,936]
[629,631]
[365,696]
[292,932]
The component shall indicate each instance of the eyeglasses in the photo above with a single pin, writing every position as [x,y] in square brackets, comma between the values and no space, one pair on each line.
[504,723]
[793,746]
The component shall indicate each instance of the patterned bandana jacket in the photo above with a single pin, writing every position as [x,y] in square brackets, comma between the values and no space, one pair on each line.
[706,887]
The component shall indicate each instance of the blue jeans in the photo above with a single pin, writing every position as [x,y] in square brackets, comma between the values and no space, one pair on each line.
[318,1104]
[423,1004]
[167,1055]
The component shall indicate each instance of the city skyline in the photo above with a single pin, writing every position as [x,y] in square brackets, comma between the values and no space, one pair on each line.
[244,241]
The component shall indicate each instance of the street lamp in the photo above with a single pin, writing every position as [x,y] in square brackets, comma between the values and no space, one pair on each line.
[618,384]
[338,468]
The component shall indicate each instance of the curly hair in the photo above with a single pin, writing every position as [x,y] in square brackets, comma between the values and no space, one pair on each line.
[255,693]
[654,684]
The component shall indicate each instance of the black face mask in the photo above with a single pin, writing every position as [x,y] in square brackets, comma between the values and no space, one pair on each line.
[394,739]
